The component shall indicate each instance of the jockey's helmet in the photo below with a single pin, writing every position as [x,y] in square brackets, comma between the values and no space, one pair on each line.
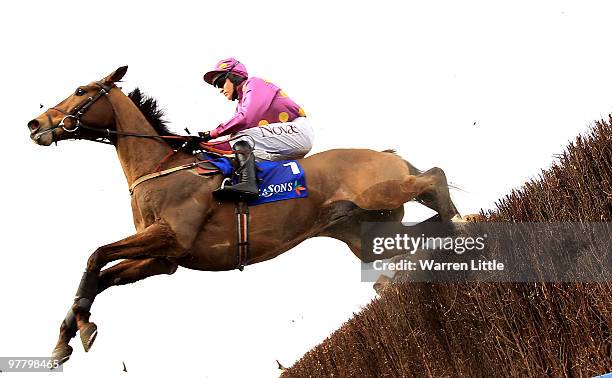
[222,70]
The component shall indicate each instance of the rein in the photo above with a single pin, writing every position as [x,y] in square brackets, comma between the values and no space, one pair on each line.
[110,132]
[80,110]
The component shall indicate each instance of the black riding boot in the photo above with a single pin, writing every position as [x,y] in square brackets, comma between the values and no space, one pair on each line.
[246,188]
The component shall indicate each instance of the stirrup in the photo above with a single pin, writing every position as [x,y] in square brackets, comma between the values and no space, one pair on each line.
[225,180]
[225,195]
[228,193]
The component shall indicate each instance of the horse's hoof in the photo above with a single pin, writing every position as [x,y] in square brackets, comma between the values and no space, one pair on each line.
[382,283]
[61,354]
[88,335]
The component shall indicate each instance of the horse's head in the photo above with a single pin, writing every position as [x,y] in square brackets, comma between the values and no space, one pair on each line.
[85,114]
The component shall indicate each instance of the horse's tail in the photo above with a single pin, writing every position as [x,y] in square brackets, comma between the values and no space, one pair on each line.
[415,171]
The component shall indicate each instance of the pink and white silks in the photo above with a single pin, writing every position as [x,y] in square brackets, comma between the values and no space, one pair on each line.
[265,117]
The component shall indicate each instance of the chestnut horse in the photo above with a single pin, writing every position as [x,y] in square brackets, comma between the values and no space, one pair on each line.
[178,221]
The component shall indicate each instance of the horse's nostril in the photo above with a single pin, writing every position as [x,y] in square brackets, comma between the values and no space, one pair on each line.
[33,125]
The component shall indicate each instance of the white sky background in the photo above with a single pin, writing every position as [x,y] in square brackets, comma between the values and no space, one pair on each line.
[413,76]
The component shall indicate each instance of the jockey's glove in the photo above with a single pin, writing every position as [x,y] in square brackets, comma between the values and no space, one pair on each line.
[205,135]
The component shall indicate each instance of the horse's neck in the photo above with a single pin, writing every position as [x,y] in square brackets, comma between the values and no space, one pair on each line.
[138,156]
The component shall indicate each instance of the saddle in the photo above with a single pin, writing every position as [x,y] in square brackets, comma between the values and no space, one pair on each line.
[277,181]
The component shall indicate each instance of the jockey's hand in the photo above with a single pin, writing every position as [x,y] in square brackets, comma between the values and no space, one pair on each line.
[205,135]
[193,143]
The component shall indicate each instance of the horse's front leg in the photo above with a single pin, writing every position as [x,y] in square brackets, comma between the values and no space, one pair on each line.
[130,271]
[156,241]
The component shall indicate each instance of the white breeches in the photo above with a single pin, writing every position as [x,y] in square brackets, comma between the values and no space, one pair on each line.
[279,141]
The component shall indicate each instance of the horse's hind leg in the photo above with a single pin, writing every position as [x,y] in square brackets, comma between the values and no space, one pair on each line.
[350,234]
[434,193]
[346,218]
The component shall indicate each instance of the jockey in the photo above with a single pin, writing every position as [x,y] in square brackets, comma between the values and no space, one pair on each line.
[267,125]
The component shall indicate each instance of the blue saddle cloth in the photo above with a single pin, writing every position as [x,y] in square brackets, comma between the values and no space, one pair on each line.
[277,180]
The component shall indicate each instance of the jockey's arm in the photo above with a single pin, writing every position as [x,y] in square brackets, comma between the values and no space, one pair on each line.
[255,100]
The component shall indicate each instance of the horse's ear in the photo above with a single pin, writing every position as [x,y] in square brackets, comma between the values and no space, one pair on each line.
[116,75]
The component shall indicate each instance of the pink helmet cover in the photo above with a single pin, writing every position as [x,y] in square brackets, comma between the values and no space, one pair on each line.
[230,64]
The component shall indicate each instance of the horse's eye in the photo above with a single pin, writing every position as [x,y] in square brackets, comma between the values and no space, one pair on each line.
[80,92]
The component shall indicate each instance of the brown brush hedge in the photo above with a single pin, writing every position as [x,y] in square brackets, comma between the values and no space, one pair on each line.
[493,329]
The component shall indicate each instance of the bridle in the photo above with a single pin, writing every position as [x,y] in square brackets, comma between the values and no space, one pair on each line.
[78,112]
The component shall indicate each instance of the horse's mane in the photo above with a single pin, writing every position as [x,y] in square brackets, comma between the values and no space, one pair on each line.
[149,108]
